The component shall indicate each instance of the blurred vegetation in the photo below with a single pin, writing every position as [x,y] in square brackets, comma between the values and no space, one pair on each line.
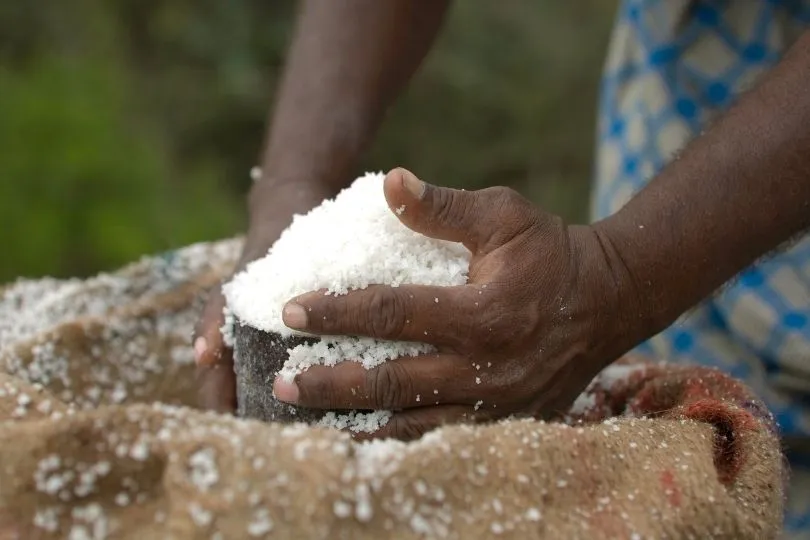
[129,126]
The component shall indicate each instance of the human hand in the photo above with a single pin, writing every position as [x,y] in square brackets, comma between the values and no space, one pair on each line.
[540,316]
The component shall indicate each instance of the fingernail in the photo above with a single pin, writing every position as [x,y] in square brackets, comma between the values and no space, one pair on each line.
[285,391]
[200,346]
[294,316]
[415,186]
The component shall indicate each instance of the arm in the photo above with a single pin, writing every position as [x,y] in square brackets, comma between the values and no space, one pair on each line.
[348,62]
[737,192]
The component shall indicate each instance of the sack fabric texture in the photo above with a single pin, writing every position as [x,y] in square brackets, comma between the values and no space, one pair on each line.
[99,438]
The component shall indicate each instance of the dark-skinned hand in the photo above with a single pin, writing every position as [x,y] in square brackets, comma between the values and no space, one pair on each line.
[537,320]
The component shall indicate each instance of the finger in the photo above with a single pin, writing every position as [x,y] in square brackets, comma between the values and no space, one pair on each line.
[482,220]
[437,315]
[413,423]
[407,382]
[216,386]
[208,343]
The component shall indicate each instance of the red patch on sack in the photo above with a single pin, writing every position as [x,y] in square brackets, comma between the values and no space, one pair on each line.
[671,488]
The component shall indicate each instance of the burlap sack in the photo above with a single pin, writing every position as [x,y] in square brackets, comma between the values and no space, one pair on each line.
[98,440]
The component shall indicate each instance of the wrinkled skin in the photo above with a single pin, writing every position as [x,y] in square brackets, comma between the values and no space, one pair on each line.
[520,338]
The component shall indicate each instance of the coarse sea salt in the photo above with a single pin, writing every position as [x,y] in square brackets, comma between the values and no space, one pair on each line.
[345,244]
[356,422]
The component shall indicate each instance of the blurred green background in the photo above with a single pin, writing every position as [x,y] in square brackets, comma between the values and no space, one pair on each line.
[129,126]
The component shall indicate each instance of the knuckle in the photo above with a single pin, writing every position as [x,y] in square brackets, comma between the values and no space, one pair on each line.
[383,313]
[489,320]
[389,386]
[504,326]
[505,198]
[509,213]
[445,205]
[316,390]
[513,209]
[407,427]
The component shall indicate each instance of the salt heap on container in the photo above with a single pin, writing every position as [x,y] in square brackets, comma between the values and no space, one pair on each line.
[347,243]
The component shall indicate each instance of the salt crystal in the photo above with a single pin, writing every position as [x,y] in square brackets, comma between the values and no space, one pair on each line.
[199,515]
[363,511]
[47,519]
[356,421]
[139,451]
[119,394]
[44,406]
[533,514]
[255,174]
[204,473]
[342,509]
[420,525]
[261,523]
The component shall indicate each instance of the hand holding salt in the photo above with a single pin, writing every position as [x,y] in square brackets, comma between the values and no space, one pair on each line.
[344,244]
[521,336]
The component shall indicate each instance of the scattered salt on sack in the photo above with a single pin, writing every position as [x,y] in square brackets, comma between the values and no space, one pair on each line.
[346,243]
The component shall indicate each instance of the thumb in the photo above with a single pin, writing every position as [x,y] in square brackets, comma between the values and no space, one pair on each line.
[438,212]
[482,220]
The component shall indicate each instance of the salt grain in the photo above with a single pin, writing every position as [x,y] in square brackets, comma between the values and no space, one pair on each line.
[199,515]
[139,451]
[342,509]
[203,469]
[356,421]
[261,523]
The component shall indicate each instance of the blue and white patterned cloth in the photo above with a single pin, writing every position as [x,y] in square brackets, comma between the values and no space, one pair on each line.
[673,65]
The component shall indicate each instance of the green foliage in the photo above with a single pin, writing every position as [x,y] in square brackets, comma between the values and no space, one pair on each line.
[128,127]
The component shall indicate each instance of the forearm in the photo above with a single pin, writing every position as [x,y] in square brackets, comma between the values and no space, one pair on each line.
[736,193]
[348,61]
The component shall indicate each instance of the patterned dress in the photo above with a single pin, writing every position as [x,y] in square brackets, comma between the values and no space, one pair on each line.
[673,65]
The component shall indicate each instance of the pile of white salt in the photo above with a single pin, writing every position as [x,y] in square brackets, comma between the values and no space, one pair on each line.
[345,244]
